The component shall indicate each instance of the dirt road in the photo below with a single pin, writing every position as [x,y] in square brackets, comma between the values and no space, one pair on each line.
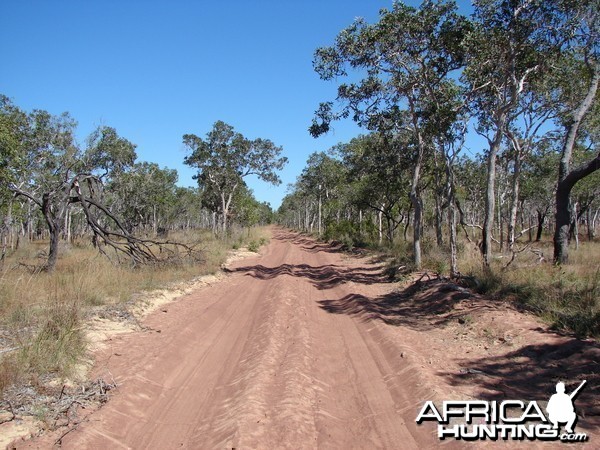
[256,362]
[305,347]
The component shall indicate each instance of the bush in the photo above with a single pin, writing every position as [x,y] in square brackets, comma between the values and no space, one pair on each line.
[254,246]
[345,232]
[567,300]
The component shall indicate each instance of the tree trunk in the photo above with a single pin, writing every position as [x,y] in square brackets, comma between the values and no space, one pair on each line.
[500,223]
[6,231]
[380,224]
[564,210]
[53,251]
[490,197]
[439,236]
[154,222]
[512,221]
[415,191]
[567,178]
[306,218]
[563,224]
[407,225]
[320,203]
[453,251]
[54,225]
[588,220]
[541,217]
[360,222]
[224,215]
[417,203]
[575,227]
[439,219]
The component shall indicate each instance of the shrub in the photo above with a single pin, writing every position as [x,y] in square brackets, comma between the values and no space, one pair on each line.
[254,246]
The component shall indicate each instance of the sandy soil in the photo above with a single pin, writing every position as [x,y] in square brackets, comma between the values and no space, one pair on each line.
[304,346]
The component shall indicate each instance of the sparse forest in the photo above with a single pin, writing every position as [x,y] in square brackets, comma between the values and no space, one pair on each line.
[523,76]
[54,189]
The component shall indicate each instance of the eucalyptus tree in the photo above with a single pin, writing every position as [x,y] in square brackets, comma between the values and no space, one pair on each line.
[401,61]
[13,125]
[539,174]
[524,136]
[585,196]
[323,177]
[225,157]
[380,176]
[58,174]
[186,212]
[247,211]
[506,51]
[51,161]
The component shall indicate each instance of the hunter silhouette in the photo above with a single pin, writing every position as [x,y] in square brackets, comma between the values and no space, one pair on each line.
[560,407]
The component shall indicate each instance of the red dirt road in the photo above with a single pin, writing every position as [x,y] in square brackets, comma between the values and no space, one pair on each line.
[269,358]
[254,362]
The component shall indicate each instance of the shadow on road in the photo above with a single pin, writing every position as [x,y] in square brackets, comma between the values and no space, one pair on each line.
[421,306]
[313,246]
[527,373]
[322,277]
[531,373]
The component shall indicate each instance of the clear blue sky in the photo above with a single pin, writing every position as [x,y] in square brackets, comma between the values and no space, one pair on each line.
[156,70]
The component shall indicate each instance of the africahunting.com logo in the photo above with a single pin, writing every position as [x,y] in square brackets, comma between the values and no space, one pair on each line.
[509,419]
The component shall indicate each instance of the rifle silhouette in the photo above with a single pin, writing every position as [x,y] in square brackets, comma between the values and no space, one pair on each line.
[574,393]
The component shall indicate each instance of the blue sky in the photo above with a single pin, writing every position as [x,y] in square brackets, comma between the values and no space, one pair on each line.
[156,70]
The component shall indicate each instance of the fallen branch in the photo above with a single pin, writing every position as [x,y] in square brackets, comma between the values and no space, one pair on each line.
[121,240]
[514,255]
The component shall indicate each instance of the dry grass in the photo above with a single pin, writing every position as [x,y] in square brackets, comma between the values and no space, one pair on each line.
[42,314]
[567,297]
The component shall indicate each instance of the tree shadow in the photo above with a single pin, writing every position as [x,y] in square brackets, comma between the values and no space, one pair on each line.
[313,245]
[421,306]
[531,373]
[322,277]
[528,373]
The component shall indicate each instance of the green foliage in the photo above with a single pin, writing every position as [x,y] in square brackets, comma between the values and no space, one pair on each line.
[403,57]
[143,194]
[108,153]
[254,246]
[345,232]
[13,125]
[224,159]
[569,302]
[247,211]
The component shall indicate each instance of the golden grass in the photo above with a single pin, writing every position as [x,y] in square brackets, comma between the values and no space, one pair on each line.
[567,297]
[44,312]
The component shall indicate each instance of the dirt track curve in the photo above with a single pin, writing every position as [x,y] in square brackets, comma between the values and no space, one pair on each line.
[258,361]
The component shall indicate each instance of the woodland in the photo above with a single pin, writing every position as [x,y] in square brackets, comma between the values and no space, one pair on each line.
[521,75]
[517,218]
